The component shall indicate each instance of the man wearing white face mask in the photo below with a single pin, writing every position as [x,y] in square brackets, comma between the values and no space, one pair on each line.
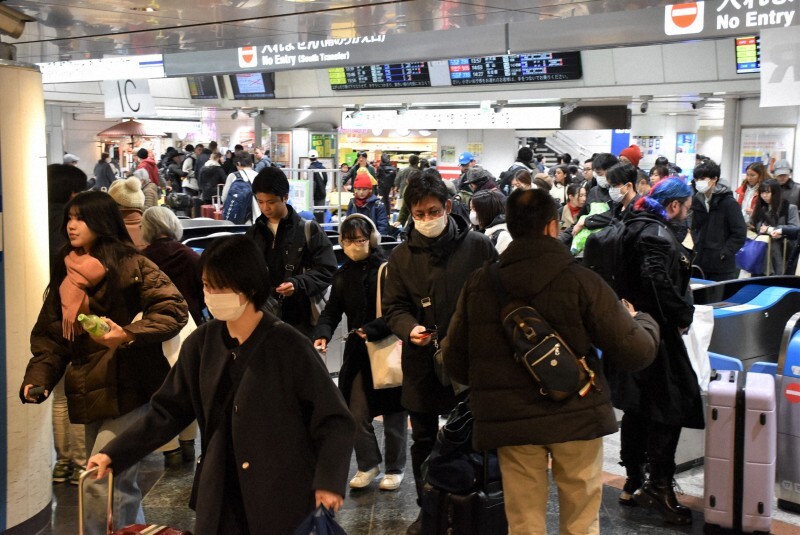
[427,273]
[718,227]
[601,163]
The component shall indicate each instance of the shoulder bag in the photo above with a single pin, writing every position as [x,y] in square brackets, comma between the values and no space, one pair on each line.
[385,355]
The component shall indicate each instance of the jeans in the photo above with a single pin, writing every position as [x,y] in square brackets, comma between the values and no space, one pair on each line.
[67,437]
[368,453]
[127,495]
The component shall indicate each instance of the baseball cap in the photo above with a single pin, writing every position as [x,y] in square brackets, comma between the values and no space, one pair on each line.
[71,158]
[465,157]
[312,154]
[782,167]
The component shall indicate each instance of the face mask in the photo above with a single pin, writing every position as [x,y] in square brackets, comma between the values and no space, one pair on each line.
[615,194]
[473,218]
[701,185]
[356,252]
[601,181]
[225,306]
[433,228]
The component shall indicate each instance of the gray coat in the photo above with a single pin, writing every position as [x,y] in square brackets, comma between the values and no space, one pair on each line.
[505,401]
[423,271]
[291,431]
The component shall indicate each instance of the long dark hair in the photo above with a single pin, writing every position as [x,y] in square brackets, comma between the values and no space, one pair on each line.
[352,226]
[768,213]
[113,244]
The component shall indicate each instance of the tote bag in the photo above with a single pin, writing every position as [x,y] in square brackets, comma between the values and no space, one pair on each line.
[385,355]
[753,255]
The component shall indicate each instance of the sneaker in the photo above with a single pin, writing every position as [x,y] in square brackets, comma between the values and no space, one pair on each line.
[75,477]
[391,481]
[362,479]
[62,471]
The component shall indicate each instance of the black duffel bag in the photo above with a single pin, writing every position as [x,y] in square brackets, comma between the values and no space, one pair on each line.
[179,201]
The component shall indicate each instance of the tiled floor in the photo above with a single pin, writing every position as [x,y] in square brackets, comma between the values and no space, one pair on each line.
[374,512]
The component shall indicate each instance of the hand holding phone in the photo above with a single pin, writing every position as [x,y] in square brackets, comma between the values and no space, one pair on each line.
[36,394]
[428,331]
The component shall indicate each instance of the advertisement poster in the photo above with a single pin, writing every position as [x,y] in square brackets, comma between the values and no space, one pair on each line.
[685,151]
[447,154]
[766,145]
[281,144]
[477,151]
[324,144]
[299,195]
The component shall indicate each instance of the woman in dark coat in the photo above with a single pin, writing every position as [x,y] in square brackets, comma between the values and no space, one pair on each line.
[162,230]
[276,435]
[103,173]
[665,396]
[353,293]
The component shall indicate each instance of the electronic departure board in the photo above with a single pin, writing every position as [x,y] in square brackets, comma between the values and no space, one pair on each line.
[414,74]
[748,55]
[516,68]
[202,87]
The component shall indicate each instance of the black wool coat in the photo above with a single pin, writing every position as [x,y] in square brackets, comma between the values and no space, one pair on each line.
[506,403]
[353,294]
[656,281]
[424,281]
[291,431]
[718,231]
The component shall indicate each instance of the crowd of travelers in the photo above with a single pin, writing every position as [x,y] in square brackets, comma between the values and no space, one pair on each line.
[277,434]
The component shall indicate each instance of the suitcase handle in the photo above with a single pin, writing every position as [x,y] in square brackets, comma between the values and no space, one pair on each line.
[109,511]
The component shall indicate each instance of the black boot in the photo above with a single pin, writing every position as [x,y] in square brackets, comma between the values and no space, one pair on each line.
[659,494]
[634,481]
[187,450]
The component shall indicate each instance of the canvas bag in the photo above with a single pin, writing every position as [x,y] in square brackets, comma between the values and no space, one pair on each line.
[385,356]
[697,339]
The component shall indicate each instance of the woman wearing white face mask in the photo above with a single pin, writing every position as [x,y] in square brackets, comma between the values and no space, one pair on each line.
[488,215]
[276,435]
[353,293]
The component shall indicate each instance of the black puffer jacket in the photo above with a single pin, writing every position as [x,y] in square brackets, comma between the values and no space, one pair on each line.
[211,176]
[718,231]
[505,401]
[430,272]
[656,281]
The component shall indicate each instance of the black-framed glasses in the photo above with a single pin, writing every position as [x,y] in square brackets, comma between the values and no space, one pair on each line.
[358,241]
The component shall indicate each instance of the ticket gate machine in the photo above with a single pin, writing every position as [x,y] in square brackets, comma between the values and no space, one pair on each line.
[787,382]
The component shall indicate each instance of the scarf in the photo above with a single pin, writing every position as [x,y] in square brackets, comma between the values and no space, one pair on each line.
[83,271]
[574,210]
[361,203]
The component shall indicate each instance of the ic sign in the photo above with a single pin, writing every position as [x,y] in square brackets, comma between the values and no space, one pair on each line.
[684,19]
[128,98]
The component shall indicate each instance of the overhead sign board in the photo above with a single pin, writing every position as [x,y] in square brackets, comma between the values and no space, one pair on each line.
[128,98]
[780,67]
[96,70]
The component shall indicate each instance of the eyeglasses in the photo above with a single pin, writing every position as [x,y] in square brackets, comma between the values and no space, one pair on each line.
[359,241]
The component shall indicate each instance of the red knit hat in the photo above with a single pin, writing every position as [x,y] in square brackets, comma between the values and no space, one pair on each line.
[362,179]
[633,153]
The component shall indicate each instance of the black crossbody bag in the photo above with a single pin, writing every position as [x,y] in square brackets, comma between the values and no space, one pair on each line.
[554,366]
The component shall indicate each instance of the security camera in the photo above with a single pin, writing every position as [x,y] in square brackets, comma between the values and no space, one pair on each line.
[699,104]
[643,107]
[12,22]
[235,114]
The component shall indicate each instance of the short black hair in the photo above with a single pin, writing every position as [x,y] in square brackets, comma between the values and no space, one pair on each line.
[528,212]
[413,160]
[251,276]
[488,204]
[212,146]
[63,181]
[707,169]
[273,181]
[604,161]
[189,148]
[362,153]
[428,184]
[524,154]
[243,158]
[662,160]
[238,147]
[621,174]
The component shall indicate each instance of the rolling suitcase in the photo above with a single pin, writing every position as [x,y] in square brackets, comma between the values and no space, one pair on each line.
[741,434]
[134,529]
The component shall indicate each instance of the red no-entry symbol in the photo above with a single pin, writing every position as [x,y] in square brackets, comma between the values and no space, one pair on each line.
[684,15]
[793,393]
[248,57]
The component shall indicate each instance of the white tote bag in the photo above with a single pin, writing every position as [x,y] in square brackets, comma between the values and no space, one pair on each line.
[697,340]
[385,355]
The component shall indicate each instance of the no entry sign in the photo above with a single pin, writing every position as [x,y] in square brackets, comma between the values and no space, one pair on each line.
[792,393]
[682,19]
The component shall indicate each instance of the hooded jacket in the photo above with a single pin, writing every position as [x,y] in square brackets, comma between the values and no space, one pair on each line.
[375,210]
[211,176]
[506,403]
[426,277]
[149,165]
[718,231]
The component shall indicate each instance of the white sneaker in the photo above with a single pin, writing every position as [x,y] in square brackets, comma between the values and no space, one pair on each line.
[362,479]
[391,482]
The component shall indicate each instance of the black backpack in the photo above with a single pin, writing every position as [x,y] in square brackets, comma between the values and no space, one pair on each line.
[604,253]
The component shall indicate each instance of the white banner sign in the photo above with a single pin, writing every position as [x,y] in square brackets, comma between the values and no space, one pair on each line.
[111,68]
[780,67]
[128,98]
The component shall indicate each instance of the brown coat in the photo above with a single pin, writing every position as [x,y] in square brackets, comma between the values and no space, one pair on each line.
[581,307]
[102,383]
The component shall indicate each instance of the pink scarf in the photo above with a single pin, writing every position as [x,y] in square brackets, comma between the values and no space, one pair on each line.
[83,271]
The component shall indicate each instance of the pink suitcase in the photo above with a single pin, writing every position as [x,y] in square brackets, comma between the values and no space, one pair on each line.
[741,435]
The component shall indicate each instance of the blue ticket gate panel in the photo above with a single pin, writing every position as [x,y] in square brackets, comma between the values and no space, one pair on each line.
[788,399]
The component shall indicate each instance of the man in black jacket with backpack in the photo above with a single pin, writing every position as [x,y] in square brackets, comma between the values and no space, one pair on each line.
[298,253]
